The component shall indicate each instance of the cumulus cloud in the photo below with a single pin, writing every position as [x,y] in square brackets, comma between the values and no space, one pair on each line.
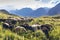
[34,4]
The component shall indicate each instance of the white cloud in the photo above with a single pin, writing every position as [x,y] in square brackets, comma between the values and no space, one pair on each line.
[18,4]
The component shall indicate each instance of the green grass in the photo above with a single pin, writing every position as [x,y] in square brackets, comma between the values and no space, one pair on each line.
[6,34]
[5,16]
[54,21]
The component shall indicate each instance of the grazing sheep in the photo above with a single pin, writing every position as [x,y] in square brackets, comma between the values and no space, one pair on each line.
[11,27]
[32,28]
[36,27]
[27,27]
[46,28]
[8,26]
[12,21]
[5,25]
[2,20]
[19,29]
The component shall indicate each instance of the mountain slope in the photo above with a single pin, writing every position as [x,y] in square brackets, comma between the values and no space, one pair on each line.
[4,11]
[22,12]
[5,14]
[55,10]
[28,12]
[40,12]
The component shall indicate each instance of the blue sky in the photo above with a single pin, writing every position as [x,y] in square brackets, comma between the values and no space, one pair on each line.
[34,4]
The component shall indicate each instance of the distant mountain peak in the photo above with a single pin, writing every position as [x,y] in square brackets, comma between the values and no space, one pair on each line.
[55,10]
[28,12]
[4,11]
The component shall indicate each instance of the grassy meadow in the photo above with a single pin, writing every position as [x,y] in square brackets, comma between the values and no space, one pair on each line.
[6,34]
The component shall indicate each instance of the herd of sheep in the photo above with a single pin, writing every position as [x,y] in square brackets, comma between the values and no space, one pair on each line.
[10,24]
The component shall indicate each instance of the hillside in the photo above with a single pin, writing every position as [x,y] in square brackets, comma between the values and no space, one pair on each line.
[7,34]
[22,12]
[28,12]
[54,21]
[55,10]
[5,14]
